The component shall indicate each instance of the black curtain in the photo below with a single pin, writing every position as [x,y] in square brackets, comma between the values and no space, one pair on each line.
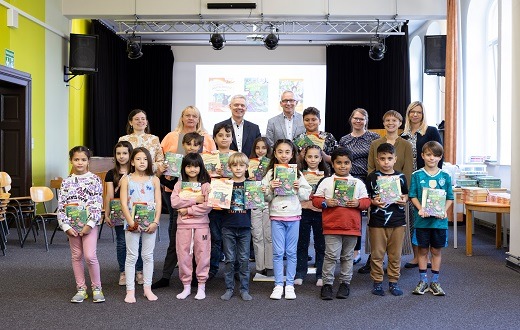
[121,85]
[356,81]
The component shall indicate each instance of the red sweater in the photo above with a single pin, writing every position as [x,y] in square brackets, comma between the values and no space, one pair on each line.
[341,220]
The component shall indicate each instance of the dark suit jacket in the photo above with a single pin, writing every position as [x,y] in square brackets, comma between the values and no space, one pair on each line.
[251,132]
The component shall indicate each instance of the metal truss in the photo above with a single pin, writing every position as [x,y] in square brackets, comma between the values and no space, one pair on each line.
[244,27]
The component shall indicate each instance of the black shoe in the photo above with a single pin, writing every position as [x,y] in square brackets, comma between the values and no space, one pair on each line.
[365,269]
[429,265]
[343,291]
[309,258]
[210,277]
[162,283]
[326,292]
[411,265]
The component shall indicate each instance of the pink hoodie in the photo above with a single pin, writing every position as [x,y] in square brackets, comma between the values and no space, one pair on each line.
[197,216]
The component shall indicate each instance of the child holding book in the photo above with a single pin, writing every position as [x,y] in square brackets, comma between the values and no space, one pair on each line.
[430,231]
[193,234]
[285,214]
[191,143]
[388,190]
[84,190]
[113,215]
[341,224]
[140,186]
[236,230]
[223,135]
[260,222]
[314,169]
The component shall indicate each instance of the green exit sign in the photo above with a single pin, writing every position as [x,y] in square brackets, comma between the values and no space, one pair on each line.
[9,58]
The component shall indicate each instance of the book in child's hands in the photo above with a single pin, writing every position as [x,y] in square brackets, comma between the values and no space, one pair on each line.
[77,215]
[254,195]
[287,174]
[143,213]
[211,162]
[116,213]
[434,202]
[174,162]
[316,140]
[220,195]
[190,190]
[313,177]
[389,189]
[257,167]
[303,141]
[226,171]
[344,190]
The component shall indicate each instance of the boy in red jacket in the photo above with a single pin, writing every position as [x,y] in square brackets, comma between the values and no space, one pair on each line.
[341,222]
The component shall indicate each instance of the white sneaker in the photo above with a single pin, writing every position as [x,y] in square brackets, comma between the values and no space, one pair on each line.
[298,281]
[289,292]
[122,278]
[319,282]
[277,292]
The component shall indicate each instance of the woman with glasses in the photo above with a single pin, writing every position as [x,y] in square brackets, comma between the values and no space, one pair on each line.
[417,132]
[358,142]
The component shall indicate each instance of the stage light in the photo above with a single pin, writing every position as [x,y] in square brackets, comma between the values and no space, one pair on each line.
[133,47]
[377,51]
[271,41]
[217,41]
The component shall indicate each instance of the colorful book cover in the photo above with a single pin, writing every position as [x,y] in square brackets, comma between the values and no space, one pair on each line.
[344,190]
[253,167]
[77,215]
[389,189]
[313,177]
[211,162]
[316,140]
[116,213]
[226,171]
[286,173]
[434,202]
[254,195]
[190,190]
[143,213]
[303,141]
[174,162]
[257,167]
[220,195]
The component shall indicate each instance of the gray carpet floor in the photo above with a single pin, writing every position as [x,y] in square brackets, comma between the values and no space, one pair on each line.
[36,286]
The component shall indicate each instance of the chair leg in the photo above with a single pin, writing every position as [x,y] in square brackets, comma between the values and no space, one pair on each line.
[45,234]
[55,229]
[27,234]
[100,229]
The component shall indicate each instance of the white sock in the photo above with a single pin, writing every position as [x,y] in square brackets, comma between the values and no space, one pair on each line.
[185,293]
[201,292]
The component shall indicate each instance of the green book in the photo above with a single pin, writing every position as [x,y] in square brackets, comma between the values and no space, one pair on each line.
[434,202]
[344,190]
[190,190]
[174,162]
[254,195]
[389,189]
[143,213]
[77,216]
[116,212]
[286,173]
[226,171]
[303,141]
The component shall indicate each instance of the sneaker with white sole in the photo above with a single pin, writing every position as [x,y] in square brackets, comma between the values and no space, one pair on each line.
[436,289]
[139,278]
[298,281]
[277,292]
[97,295]
[80,296]
[122,278]
[421,288]
[289,292]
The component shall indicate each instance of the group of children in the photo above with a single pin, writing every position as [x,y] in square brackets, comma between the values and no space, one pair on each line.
[280,231]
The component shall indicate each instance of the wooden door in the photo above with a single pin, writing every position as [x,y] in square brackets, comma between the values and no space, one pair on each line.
[15,129]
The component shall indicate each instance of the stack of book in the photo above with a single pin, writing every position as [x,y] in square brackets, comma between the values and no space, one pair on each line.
[500,198]
[467,183]
[473,194]
[489,182]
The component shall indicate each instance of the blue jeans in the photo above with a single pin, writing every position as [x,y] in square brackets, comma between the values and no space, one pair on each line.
[121,250]
[215,228]
[310,219]
[285,241]
[237,245]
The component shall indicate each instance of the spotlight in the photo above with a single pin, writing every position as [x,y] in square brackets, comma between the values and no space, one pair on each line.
[377,51]
[217,41]
[133,47]
[271,41]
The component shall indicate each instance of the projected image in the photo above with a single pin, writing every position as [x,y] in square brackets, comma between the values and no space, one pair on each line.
[257,92]
[221,90]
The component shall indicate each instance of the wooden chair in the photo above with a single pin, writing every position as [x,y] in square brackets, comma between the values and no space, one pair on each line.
[102,176]
[56,186]
[41,195]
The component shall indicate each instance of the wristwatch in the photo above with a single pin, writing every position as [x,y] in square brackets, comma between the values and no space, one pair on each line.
[324,204]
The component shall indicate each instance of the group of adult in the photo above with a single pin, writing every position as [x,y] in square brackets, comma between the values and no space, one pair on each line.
[291,125]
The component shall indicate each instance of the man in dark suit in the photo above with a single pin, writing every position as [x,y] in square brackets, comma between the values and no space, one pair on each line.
[244,132]
[286,125]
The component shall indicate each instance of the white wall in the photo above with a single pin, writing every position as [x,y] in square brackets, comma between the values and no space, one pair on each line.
[187,57]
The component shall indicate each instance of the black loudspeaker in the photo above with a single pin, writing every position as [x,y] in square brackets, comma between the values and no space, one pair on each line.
[435,55]
[83,54]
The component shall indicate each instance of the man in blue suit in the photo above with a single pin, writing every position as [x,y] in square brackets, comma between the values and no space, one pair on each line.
[286,125]
[244,132]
